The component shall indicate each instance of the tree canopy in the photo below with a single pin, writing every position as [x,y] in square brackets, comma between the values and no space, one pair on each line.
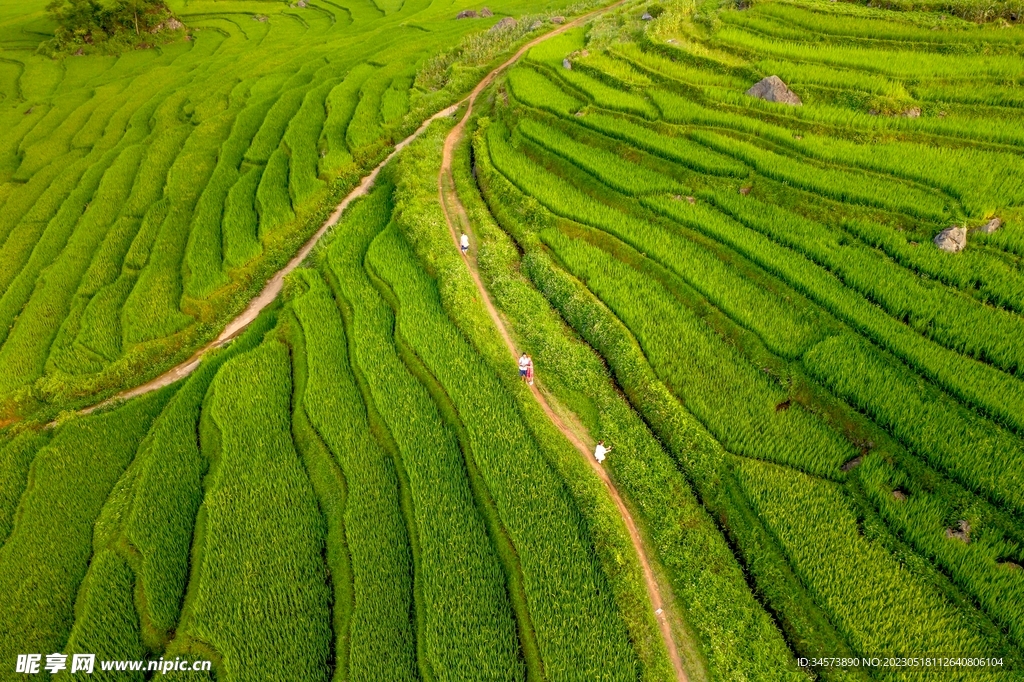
[89,22]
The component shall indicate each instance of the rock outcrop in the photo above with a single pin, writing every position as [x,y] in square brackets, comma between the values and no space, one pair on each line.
[558,20]
[772,89]
[466,14]
[171,24]
[991,226]
[962,532]
[952,239]
[503,25]
[486,12]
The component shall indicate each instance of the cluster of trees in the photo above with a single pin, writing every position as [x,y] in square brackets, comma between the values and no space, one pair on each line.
[89,22]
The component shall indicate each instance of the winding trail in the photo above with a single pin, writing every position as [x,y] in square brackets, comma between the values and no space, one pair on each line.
[274,285]
[450,202]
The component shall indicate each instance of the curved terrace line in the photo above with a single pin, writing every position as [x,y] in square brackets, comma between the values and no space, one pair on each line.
[275,283]
[445,180]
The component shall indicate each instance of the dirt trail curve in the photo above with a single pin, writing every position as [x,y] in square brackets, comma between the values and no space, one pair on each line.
[446,191]
[274,284]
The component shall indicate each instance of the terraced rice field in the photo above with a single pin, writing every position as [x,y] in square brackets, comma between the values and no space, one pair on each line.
[817,416]
[761,282]
[403,517]
[147,196]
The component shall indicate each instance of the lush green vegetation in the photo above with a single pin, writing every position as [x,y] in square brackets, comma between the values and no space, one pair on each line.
[146,195]
[125,23]
[407,516]
[760,280]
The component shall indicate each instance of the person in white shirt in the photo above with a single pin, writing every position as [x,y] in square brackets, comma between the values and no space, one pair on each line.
[600,451]
[524,366]
[464,243]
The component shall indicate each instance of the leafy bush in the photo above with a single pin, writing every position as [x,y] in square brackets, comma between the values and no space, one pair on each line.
[89,22]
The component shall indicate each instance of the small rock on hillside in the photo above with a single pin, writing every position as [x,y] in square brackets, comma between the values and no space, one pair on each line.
[558,20]
[171,24]
[466,14]
[772,89]
[486,12]
[646,16]
[952,239]
[962,532]
[991,226]
[504,24]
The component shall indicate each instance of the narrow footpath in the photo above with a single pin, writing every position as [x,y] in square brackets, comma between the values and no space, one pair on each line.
[450,202]
[274,285]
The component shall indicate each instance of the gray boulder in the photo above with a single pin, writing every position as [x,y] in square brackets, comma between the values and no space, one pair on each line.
[646,16]
[991,226]
[952,239]
[558,20]
[567,64]
[486,12]
[466,14]
[503,25]
[772,89]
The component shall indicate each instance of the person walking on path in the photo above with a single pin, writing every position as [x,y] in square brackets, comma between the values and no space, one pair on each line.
[524,366]
[600,451]
[529,370]
[464,243]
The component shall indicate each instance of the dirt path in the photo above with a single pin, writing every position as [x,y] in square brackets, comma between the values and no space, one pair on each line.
[275,283]
[446,190]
